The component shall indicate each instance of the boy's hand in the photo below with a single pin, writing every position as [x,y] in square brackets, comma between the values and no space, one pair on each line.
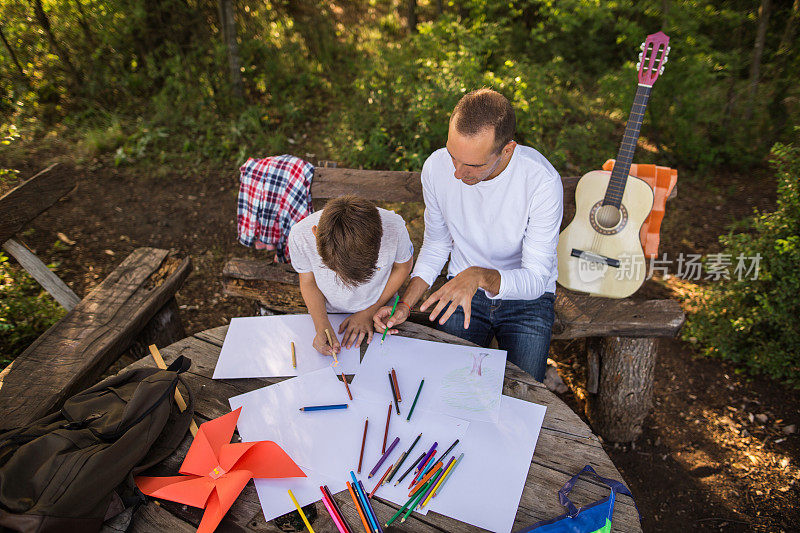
[356,327]
[381,319]
[321,342]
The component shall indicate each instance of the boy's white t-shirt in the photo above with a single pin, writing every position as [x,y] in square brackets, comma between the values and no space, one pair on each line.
[395,247]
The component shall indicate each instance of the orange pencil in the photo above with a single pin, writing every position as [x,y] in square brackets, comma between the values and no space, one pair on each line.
[396,387]
[429,475]
[358,508]
[346,386]
[386,432]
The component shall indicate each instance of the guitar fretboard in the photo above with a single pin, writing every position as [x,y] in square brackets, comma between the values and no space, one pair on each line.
[622,166]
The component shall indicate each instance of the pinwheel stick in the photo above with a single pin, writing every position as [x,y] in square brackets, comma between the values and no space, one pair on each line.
[178,398]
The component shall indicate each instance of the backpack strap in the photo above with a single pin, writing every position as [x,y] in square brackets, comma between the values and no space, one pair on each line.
[613,484]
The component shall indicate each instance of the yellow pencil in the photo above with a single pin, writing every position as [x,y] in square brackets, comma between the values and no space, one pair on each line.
[330,343]
[438,484]
[294,358]
[299,510]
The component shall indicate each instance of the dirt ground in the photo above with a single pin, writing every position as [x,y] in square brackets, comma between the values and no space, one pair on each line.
[718,452]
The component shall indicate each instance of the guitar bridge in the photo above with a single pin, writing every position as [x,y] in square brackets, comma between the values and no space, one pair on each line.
[595,258]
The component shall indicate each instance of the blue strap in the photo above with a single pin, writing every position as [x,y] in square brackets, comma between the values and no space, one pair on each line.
[613,484]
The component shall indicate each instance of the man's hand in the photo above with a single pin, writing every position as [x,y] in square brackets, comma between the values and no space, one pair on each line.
[356,327]
[321,342]
[381,320]
[459,291]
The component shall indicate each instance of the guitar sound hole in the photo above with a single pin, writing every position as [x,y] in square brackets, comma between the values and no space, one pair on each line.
[607,219]
[608,216]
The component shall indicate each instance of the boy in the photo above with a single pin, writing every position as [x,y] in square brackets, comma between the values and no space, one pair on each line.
[352,257]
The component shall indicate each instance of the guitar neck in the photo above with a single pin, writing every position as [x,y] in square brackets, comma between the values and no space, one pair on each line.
[622,166]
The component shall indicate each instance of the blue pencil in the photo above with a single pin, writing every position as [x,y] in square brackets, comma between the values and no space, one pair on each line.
[371,510]
[363,499]
[324,407]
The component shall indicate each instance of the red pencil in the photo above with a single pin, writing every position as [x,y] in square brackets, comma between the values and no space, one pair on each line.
[396,387]
[381,481]
[363,440]
[386,432]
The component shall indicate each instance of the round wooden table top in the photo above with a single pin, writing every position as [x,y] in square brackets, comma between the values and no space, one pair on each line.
[564,447]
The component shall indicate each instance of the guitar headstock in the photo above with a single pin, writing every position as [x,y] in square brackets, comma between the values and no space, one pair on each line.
[655,50]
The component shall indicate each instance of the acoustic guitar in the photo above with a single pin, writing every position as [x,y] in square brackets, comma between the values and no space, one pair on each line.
[600,252]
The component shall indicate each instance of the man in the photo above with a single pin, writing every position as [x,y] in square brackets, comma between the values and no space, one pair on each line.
[494,208]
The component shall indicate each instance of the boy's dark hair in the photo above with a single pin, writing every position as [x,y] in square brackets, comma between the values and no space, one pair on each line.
[486,108]
[349,237]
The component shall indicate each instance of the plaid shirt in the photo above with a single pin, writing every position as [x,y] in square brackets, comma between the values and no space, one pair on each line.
[274,193]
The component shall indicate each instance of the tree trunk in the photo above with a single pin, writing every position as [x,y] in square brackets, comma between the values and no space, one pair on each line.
[412,16]
[87,32]
[664,14]
[228,25]
[62,53]
[758,51]
[13,55]
[624,387]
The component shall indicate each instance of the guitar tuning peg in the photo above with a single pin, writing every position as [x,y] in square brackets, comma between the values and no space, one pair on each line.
[638,66]
[642,46]
[665,60]
[669,48]
[640,55]
[661,71]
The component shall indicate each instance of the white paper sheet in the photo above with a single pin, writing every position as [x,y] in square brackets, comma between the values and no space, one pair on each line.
[461,381]
[275,500]
[260,347]
[326,444]
[486,487]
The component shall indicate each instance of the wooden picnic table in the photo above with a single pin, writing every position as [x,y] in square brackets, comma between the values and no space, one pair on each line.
[565,445]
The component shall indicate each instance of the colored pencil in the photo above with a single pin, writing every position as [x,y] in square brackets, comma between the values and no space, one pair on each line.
[386,431]
[331,512]
[337,509]
[396,386]
[346,386]
[384,456]
[429,464]
[396,299]
[363,440]
[302,514]
[330,343]
[450,474]
[394,393]
[427,457]
[413,405]
[369,506]
[362,495]
[413,505]
[294,359]
[403,457]
[450,448]
[410,468]
[427,476]
[439,478]
[434,480]
[367,529]
[324,407]
[371,494]
[400,511]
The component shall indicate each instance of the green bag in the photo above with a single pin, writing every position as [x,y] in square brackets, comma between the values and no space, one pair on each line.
[73,469]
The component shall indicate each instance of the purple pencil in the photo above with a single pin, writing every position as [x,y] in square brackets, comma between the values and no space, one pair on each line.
[425,459]
[384,456]
[433,485]
[369,504]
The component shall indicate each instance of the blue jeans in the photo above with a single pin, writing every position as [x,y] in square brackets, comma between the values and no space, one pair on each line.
[522,328]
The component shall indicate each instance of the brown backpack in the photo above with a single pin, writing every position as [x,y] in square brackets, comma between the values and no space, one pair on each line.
[73,469]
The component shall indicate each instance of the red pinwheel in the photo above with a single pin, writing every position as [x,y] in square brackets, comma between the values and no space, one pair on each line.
[217,470]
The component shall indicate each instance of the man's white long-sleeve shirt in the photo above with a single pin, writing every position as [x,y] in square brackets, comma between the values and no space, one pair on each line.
[509,223]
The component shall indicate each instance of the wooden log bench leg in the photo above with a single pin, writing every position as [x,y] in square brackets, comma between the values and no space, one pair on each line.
[620,385]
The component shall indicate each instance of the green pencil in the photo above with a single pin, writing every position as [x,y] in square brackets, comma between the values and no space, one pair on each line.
[415,400]
[418,499]
[396,299]
[412,499]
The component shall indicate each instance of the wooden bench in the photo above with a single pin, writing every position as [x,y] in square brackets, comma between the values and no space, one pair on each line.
[622,333]
[132,308]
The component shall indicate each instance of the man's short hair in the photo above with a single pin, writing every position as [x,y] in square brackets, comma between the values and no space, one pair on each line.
[486,108]
[349,236]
